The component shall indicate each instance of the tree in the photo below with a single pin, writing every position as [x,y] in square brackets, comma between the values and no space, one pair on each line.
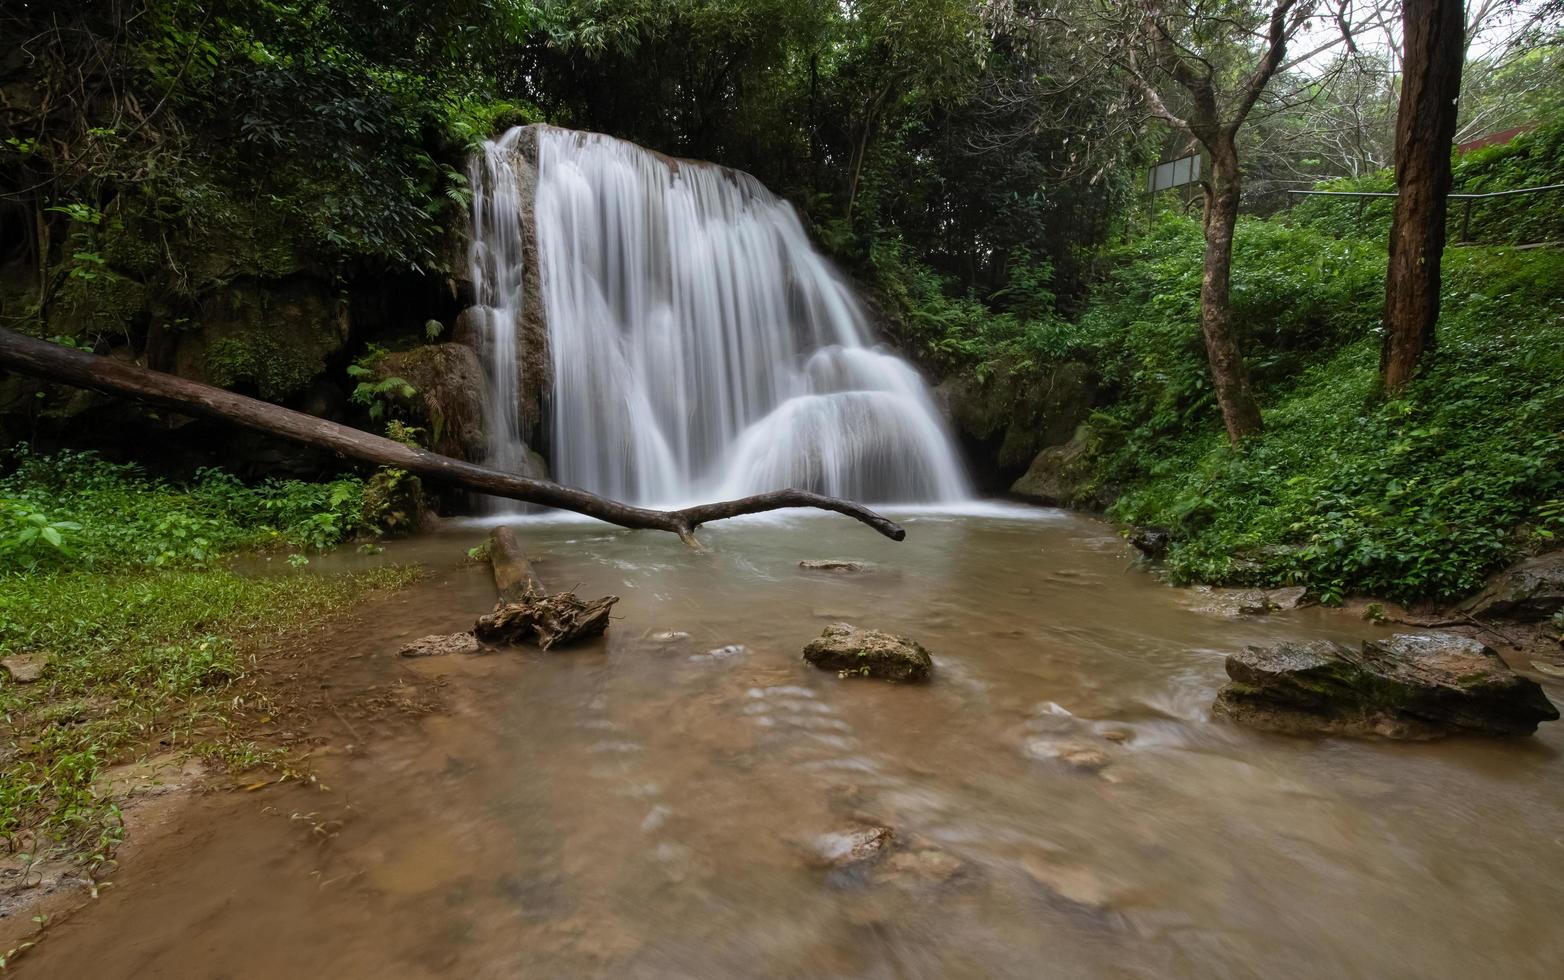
[1169,46]
[1434,47]
[1201,68]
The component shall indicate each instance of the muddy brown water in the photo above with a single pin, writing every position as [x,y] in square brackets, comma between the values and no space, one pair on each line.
[654,805]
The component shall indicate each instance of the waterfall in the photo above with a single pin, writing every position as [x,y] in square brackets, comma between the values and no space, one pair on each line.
[699,346]
[497,269]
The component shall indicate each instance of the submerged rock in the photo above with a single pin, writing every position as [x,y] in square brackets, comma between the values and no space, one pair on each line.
[1233,603]
[1530,591]
[853,847]
[1077,884]
[855,652]
[1075,754]
[1407,686]
[922,866]
[837,565]
[442,645]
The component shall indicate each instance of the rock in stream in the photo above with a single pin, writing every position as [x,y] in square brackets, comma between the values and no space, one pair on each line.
[840,566]
[854,652]
[1406,686]
[1530,591]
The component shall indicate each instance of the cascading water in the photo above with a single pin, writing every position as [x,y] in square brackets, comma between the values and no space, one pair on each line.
[700,346]
[497,268]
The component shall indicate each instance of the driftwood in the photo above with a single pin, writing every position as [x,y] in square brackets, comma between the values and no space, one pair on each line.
[513,574]
[547,620]
[54,362]
[526,611]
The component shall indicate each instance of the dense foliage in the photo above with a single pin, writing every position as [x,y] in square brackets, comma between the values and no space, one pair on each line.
[1533,159]
[78,510]
[173,174]
[1346,492]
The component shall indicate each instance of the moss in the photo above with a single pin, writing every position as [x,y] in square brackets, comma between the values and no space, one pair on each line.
[262,363]
[95,301]
[128,248]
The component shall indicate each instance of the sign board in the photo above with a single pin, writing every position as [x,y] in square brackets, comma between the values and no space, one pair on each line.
[1174,173]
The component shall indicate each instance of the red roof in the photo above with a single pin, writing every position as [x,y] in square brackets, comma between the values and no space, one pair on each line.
[1495,139]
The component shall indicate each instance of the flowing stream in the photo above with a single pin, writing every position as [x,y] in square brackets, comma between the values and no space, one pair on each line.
[699,345]
[655,805]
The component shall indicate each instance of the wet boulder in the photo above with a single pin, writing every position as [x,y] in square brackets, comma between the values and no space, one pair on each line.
[854,652]
[1153,542]
[851,847]
[1530,591]
[442,645]
[1237,603]
[1406,686]
[840,566]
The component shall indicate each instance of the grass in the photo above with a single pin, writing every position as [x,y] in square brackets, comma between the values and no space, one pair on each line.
[135,658]
[118,579]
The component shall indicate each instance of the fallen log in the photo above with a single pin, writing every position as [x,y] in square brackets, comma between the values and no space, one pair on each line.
[54,362]
[513,574]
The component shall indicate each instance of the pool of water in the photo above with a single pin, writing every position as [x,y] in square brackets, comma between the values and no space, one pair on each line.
[661,803]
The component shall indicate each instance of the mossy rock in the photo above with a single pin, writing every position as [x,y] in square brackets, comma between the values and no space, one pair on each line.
[269,337]
[447,400]
[1010,415]
[105,302]
[1061,475]
[1407,686]
[854,652]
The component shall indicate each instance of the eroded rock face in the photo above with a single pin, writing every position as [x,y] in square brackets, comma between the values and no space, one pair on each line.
[1008,416]
[1530,591]
[1407,686]
[447,401]
[854,652]
[269,337]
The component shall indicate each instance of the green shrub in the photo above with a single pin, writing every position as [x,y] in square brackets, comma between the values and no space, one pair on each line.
[78,509]
[1533,159]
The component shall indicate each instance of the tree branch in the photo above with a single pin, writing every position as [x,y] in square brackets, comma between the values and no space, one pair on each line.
[57,363]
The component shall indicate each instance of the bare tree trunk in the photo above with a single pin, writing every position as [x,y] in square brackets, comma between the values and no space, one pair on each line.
[514,578]
[56,363]
[1240,411]
[1434,32]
